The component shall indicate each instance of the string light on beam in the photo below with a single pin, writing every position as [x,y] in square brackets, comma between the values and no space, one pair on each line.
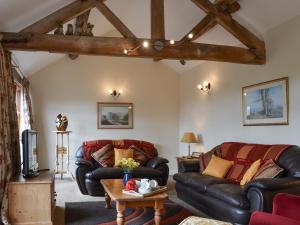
[190,36]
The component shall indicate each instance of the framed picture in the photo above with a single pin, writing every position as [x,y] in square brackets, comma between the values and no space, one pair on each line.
[115,115]
[266,103]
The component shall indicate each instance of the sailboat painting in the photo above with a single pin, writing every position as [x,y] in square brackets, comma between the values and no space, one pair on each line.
[266,103]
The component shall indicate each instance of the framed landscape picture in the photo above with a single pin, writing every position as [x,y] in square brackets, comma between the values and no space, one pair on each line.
[115,115]
[266,103]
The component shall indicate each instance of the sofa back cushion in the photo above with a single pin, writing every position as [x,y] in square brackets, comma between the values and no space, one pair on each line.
[90,147]
[244,155]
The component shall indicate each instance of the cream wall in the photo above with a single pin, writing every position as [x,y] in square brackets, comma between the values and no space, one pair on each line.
[74,88]
[218,116]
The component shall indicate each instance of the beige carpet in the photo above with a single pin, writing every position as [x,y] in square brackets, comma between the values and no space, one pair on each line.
[68,191]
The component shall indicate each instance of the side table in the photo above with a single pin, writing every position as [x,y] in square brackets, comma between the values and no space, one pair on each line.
[185,158]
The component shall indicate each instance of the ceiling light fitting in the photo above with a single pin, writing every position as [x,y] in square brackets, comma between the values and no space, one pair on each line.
[157,45]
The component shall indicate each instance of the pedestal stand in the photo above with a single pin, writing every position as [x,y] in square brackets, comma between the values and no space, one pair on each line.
[62,152]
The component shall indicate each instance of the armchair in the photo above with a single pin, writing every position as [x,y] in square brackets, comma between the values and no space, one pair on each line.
[286,209]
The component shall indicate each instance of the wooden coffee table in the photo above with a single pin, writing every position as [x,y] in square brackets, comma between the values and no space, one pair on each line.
[113,191]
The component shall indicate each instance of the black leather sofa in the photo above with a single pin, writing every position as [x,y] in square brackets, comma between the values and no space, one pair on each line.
[227,201]
[89,173]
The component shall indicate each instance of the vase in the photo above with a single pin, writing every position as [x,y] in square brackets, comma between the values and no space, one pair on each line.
[61,122]
[127,177]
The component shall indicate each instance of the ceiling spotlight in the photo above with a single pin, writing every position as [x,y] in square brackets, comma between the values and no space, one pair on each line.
[190,36]
[146,44]
[172,42]
[125,51]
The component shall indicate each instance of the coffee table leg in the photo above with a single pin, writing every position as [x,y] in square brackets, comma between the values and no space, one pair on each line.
[158,207]
[107,201]
[121,206]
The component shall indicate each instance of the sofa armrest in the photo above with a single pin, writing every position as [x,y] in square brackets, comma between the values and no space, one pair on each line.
[156,161]
[273,184]
[185,166]
[86,163]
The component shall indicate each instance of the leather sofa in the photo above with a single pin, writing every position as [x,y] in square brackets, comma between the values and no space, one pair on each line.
[89,172]
[228,201]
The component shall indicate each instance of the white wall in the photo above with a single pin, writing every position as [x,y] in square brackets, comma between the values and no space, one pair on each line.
[218,116]
[74,88]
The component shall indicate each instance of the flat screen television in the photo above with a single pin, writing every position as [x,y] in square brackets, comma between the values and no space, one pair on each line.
[29,153]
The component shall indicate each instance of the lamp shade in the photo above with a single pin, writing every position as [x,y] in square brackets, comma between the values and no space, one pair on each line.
[189,137]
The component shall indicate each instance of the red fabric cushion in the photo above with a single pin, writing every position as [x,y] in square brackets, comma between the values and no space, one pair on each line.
[244,155]
[261,218]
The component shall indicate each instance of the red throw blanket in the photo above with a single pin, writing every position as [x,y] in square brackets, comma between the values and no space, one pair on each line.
[90,147]
[244,155]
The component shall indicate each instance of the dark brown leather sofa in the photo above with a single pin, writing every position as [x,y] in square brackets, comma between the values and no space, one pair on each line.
[89,172]
[227,201]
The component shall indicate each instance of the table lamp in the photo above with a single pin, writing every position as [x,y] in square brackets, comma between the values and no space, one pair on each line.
[189,137]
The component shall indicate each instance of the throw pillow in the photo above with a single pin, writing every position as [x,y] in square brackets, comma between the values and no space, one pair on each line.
[105,156]
[268,170]
[122,154]
[217,167]
[250,172]
[139,155]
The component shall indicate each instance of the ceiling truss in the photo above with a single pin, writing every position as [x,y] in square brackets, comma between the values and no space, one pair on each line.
[80,40]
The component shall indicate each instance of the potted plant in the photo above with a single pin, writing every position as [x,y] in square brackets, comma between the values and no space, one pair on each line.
[128,165]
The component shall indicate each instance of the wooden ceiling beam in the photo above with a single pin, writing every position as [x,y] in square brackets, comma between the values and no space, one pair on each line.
[114,20]
[60,17]
[232,26]
[207,23]
[157,19]
[81,27]
[113,46]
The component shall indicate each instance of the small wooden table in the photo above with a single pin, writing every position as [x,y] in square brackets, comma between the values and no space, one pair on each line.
[113,189]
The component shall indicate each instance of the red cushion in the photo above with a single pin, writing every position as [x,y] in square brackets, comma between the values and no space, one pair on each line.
[261,218]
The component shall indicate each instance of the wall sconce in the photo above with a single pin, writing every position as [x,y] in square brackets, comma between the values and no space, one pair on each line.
[205,87]
[115,93]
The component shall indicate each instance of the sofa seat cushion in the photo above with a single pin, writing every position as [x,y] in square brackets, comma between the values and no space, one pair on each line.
[232,194]
[197,181]
[117,173]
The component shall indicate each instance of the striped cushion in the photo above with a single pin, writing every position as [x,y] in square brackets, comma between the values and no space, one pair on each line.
[105,156]
[139,155]
[268,170]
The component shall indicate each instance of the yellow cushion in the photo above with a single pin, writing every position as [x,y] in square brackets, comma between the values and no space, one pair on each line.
[217,167]
[250,172]
[121,154]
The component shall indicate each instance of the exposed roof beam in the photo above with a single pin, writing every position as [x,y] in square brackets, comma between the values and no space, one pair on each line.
[114,20]
[202,27]
[232,26]
[208,22]
[113,46]
[61,16]
[157,19]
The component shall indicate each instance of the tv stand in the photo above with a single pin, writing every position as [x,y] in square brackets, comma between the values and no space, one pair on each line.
[32,200]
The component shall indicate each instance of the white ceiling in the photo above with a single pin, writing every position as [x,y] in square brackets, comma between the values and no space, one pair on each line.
[181,15]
